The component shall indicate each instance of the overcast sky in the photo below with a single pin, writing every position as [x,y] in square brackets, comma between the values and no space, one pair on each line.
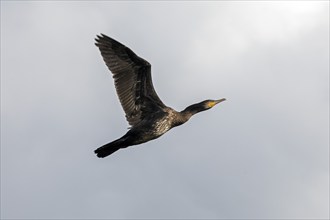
[264,153]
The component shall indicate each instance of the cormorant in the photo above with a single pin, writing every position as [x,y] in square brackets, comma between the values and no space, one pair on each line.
[145,112]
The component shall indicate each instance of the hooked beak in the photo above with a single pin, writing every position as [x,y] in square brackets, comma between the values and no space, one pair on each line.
[214,102]
[219,100]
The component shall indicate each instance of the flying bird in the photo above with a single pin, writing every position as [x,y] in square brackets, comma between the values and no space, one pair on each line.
[147,115]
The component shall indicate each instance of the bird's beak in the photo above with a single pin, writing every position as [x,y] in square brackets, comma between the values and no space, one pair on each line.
[219,100]
[214,102]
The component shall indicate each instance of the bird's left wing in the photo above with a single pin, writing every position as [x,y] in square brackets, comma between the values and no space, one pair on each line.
[132,76]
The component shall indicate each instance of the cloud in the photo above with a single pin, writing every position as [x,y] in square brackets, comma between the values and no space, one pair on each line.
[261,154]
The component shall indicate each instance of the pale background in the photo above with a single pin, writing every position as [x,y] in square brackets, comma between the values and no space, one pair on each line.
[264,153]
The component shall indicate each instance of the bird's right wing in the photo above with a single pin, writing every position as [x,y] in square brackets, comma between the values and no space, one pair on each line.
[132,76]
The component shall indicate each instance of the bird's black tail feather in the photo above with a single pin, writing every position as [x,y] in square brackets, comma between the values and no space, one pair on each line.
[109,148]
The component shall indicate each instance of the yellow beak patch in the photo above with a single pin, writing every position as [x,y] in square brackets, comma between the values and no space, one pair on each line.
[211,104]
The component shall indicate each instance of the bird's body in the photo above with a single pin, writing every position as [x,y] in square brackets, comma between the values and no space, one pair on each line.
[145,112]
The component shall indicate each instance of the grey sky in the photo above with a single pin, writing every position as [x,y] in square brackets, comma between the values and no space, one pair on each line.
[264,153]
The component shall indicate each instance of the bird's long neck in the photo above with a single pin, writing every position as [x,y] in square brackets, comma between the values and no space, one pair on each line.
[190,111]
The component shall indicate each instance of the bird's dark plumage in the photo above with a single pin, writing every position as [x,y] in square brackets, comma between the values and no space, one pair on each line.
[144,110]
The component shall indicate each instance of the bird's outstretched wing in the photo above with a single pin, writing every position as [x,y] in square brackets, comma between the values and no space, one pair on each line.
[132,76]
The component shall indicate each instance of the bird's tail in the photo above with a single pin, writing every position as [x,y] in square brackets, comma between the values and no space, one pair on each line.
[109,148]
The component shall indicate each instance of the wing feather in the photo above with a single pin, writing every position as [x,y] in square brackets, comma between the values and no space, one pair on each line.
[132,76]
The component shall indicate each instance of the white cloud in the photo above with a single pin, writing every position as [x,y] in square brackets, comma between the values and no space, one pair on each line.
[231,29]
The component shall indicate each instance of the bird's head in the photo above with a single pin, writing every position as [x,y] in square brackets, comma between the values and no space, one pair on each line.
[202,106]
[207,104]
